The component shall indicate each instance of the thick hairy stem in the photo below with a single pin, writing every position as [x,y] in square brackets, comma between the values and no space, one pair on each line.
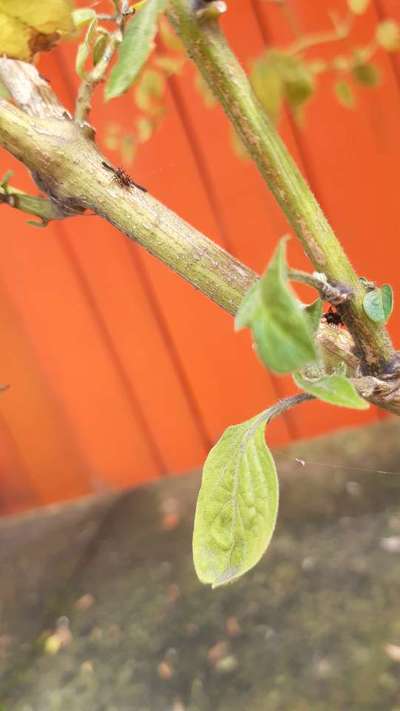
[207,46]
[71,171]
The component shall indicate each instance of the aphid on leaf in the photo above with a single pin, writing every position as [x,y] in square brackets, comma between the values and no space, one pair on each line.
[332,317]
[122,178]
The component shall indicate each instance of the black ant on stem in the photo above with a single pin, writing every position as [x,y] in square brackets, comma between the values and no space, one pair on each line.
[332,317]
[122,178]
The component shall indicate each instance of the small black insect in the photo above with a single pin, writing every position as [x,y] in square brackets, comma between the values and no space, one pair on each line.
[332,317]
[122,178]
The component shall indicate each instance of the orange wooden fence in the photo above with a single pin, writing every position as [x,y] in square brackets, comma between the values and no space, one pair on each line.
[120,372]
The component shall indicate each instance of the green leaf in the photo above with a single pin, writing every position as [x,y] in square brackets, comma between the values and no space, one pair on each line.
[144,128]
[388,35]
[358,7]
[378,303]
[344,94]
[169,37]
[99,47]
[135,48]
[280,327]
[169,65]
[366,73]
[6,179]
[277,76]
[84,49]
[313,312]
[268,85]
[335,389]
[237,505]
[149,91]
[83,16]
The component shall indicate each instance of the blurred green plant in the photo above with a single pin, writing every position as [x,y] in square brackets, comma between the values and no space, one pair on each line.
[150,52]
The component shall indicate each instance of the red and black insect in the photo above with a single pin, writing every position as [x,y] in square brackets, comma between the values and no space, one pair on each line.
[332,317]
[122,178]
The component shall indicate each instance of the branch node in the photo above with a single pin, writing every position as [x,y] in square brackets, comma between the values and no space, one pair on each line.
[207,10]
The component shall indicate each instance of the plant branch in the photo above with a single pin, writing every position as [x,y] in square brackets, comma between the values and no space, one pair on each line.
[45,209]
[340,31]
[282,406]
[69,168]
[30,91]
[336,295]
[206,45]
[93,78]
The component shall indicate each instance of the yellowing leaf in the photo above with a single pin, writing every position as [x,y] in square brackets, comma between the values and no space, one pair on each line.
[345,94]
[358,7]
[278,75]
[388,35]
[30,26]
[149,91]
[169,37]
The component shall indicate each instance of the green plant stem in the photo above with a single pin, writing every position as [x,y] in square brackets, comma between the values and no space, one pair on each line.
[282,406]
[32,205]
[206,45]
[71,169]
[92,79]
[335,295]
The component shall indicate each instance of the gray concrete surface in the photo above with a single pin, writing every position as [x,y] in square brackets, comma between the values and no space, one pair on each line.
[100,609]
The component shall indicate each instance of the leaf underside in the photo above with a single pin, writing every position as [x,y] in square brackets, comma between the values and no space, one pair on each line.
[237,505]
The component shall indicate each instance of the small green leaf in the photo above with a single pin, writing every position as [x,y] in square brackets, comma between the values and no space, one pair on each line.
[237,505]
[83,16]
[313,312]
[149,91]
[144,128]
[299,85]
[84,49]
[268,86]
[169,65]
[378,303]
[169,37]
[344,94]
[127,148]
[388,35]
[366,73]
[335,389]
[6,179]
[99,47]
[280,327]
[341,63]
[135,48]
[358,7]
[278,75]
